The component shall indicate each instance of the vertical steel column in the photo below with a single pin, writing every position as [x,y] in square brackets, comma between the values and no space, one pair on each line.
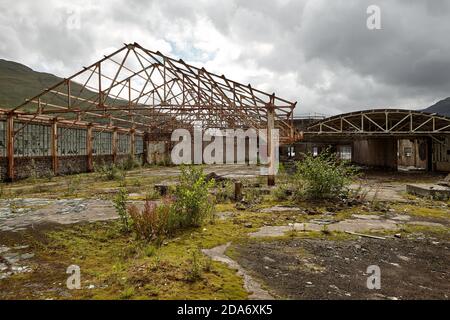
[146,139]
[133,144]
[10,146]
[270,153]
[54,146]
[89,143]
[114,145]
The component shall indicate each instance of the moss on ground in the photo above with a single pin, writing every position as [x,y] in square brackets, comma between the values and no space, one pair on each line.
[423,211]
[120,267]
[84,185]
[117,266]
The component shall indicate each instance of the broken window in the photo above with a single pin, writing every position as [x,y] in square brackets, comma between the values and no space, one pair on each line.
[102,143]
[139,145]
[2,138]
[71,142]
[345,152]
[123,145]
[31,140]
[291,152]
[315,151]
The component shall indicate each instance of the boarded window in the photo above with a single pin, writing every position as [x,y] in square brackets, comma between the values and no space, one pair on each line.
[139,145]
[71,142]
[102,143]
[2,139]
[123,144]
[31,140]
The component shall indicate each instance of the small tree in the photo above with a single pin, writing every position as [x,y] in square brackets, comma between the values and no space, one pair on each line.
[120,204]
[192,202]
[323,176]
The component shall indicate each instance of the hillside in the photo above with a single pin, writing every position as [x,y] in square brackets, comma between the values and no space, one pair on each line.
[18,82]
[442,107]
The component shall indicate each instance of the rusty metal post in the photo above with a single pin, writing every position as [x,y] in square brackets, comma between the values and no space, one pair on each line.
[146,139]
[54,146]
[270,143]
[133,144]
[10,146]
[114,145]
[238,191]
[89,143]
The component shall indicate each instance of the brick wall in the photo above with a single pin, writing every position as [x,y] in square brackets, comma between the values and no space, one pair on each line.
[72,164]
[26,167]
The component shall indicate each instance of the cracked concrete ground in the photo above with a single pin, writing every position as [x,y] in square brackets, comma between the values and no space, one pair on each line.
[19,214]
[359,223]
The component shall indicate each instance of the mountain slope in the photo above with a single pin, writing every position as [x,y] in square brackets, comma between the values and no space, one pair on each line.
[18,82]
[442,107]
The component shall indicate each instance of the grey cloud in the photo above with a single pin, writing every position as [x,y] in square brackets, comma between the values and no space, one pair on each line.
[333,62]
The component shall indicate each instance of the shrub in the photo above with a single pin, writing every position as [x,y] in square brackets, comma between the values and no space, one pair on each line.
[323,177]
[195,271]
[282,192]
[152,194]
[73,185]
[130,163]
[359,194]
[253,196]
[120,204]
[149,250]
[325,230]
[127,293]
[225,191]
[111,172]
[153,221]
[192,202]
[189,208]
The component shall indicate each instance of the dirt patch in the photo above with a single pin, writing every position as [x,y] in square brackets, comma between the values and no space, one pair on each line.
[322,269]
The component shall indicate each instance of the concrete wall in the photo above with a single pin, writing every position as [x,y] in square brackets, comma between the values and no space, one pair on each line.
[72,164]
[25,167]
[157,152]
[413,153]
[381,152]
[441,154]
[100,160]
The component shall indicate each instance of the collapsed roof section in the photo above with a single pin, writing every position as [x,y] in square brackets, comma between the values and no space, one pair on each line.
[148,91]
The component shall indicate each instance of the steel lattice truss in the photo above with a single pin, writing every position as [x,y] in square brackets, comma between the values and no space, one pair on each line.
[382,122]
[145,90]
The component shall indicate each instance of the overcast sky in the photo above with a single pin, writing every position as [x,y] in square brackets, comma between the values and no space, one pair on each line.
[319,53]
